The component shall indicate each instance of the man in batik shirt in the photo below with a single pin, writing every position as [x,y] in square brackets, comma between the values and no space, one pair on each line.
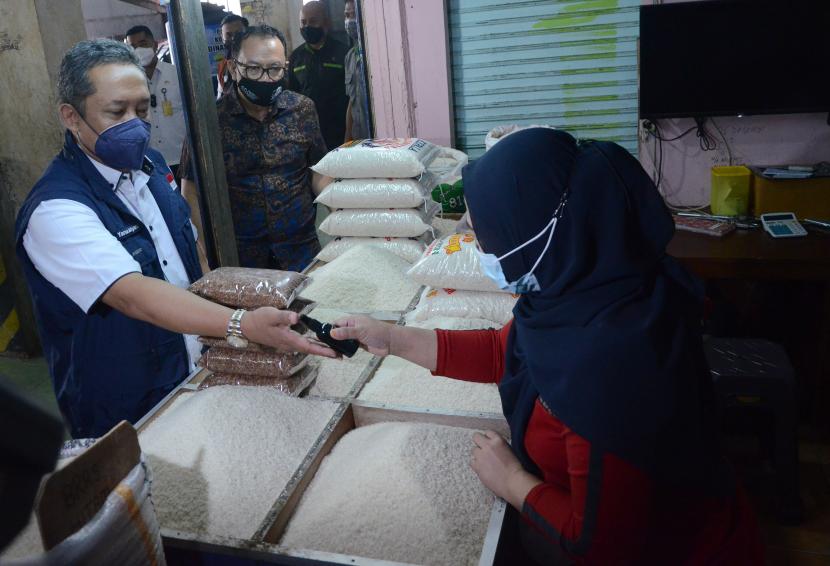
[270,138]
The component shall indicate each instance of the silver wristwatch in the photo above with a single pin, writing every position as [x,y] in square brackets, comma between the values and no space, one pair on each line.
[234,335]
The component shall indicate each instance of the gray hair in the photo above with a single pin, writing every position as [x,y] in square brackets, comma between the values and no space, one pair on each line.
[74,85]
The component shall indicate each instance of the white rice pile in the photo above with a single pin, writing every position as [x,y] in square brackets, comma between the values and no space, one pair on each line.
[336,378]
[365,278]
[451,323]
[327,315]
[220,457]
[396,491]
[399,382]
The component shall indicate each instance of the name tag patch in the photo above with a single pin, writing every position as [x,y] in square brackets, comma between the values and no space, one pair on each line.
[127,231]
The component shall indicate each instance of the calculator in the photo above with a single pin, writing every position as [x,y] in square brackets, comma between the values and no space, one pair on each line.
[782,225]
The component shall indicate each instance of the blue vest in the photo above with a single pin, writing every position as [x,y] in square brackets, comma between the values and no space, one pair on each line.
[105,366]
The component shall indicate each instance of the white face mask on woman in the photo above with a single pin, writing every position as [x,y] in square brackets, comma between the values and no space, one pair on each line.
[491,266]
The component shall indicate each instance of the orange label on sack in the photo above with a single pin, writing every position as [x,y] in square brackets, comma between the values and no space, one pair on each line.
[432,293]
[453,244]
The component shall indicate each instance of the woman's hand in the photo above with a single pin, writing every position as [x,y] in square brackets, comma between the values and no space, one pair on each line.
[271,327]
[499,469]
[373,335]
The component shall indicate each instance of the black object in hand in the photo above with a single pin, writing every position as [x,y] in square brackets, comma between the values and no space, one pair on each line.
[323,331]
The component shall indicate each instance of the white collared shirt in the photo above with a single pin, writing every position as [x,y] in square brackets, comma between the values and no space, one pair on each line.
[168,132]
[69,245]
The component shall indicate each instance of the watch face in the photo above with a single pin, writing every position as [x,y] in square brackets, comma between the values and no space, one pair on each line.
[237,341]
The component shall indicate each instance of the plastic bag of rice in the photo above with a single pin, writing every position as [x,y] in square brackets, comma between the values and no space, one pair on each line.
[497,307]
[222,343]
[243,287]
[399,158]
[405,248]
[292,386]
[374,193]
[245,362]
[452,263]
[500,132]
[380,223]
[447,165]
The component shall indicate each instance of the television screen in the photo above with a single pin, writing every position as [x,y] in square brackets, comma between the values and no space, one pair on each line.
[734,57]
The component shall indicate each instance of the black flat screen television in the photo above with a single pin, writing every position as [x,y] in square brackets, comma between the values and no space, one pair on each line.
[734,57]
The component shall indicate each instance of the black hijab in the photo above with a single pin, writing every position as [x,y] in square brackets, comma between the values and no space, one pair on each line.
[611,343]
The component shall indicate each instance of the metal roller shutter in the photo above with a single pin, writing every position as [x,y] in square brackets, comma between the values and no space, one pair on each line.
[569,64]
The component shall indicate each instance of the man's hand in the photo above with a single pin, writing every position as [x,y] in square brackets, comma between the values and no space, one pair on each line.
[271,327]
[499,469]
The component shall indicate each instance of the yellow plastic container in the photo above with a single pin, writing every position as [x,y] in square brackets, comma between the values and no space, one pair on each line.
[806,198]
[730,190]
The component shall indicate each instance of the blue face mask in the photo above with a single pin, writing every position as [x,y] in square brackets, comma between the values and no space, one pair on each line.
[123,145]
[491,266]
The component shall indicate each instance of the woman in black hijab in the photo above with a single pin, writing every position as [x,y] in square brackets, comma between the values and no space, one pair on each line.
[614,456]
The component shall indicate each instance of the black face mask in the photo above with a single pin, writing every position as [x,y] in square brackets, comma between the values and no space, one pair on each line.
[260,93]
[313,36]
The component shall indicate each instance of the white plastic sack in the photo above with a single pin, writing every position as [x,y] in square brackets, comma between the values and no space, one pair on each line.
[497,307]
[125,531]
[374,193]
[447,165]
[500,132]
[405,248]
[379,223]
[452,263]
[399,158]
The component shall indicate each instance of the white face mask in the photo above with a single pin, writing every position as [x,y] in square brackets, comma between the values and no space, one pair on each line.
[491,266]
[145,55]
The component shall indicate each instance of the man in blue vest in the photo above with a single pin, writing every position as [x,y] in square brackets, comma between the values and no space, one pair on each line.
[108,249]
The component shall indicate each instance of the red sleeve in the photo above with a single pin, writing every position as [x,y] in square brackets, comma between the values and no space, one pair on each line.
[472,355]
[602,516]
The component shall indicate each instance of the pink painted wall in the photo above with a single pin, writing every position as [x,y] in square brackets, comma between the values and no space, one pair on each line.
[387,52]
[754,140]
[429,55]
[406,46]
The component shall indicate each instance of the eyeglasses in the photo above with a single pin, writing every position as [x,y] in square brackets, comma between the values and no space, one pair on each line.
[255,72]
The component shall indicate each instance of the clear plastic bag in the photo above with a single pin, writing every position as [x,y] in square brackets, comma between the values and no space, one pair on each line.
[405,248]
[292,386]
[398,158]
[222,343]
[497,307]
[242,287]
[500,132]
[452,263]
[252,363]
[374,193]
[447,165]
[380,223]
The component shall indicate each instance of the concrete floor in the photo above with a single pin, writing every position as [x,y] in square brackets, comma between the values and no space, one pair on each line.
[31,377]
[805,545]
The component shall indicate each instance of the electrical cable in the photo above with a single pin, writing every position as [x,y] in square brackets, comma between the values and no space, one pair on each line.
[653,129]
[723,137]
[704,138]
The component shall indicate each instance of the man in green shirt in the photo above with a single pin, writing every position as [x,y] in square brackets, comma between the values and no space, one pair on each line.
[316,70]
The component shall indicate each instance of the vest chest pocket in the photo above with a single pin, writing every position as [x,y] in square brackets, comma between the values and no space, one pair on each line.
[140,247]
